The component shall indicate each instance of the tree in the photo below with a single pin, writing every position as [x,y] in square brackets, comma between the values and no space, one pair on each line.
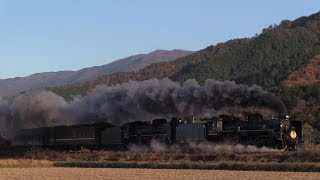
[311,135]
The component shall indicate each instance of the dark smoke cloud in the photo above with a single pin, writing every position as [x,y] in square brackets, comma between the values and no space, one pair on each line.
[164,97]
[5,114]
[133,101]
[32,110]
[39,108]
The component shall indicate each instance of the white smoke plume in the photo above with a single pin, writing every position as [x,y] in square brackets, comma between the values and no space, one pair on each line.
[155,146]
[205,147]
[229,148]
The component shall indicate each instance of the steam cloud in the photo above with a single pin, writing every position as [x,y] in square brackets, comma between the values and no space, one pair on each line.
[229,148]
[133,101]
[206,147]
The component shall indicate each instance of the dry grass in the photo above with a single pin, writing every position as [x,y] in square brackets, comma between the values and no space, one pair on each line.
[224,165]
[303,160]
[120,156]
[25,163]
[98,173]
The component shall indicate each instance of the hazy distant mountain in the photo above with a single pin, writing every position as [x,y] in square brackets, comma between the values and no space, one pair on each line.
[133,63]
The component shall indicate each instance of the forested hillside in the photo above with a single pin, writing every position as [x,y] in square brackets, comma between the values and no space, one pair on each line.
[274,59]
[266,59]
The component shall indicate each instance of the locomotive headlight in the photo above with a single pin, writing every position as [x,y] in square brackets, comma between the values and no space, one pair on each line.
[293,134]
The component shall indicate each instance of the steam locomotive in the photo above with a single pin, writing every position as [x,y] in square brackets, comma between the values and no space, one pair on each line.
[280,133]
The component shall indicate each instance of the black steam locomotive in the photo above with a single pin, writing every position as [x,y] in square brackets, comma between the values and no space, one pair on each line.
[278,133]
[254,130]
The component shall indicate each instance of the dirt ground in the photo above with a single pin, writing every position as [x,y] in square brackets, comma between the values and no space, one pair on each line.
[118,174]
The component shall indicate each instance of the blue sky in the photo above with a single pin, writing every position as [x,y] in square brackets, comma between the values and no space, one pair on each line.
[44,35]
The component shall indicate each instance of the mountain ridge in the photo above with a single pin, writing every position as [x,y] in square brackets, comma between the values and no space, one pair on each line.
[11,86]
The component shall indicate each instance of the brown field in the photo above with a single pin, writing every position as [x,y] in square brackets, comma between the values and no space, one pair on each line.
[99,173]
[25,163]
